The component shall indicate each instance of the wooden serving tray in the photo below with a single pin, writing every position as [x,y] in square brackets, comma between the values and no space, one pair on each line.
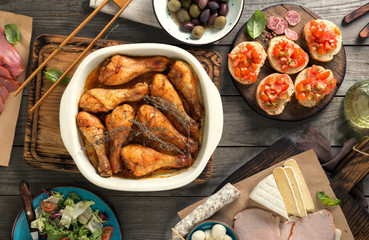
[348,173]
[43,146]
[293,111]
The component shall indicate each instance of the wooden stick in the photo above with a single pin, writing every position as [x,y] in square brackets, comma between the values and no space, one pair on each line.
[24,84]
[364,33]
[80,56]
[356,14]
[178,234]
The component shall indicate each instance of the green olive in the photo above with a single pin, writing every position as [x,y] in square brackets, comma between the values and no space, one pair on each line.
[183,15]
[186,3]
[220,22]
[174,5]
[198,31]
[195,10]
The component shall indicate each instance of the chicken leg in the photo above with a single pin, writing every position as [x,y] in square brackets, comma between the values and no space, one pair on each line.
[161,87]
[103,100]
[119,125]
[121,69]
[185,81]
[93,130]
[159,125]
[142,160]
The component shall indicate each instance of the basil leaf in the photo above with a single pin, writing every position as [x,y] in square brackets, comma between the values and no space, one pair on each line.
[54,74]
[256,24]
[327,201]
[12,33]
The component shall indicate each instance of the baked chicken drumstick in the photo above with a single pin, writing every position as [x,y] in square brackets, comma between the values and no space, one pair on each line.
[161,87]
[103,100]
[142,160]
[119,125]
[160,126]
[121,69]
[93,130]
[185,81]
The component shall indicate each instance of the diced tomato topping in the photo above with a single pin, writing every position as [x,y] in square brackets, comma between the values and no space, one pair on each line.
[323,75]
[288,55]
[273,90]
[322,39]
[252,76]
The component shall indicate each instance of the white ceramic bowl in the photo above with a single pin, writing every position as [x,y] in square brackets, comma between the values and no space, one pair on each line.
[167,22]
[72,140]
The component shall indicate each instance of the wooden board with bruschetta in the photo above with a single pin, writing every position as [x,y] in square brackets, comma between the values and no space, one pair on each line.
[331,56]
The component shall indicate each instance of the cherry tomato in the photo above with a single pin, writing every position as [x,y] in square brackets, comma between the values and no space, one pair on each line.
[107,233]
[252,76]
[276,51]
[283,95]
[323,75]
[294,63]
[237,72]
[254,66]
[263,97]
[244,72]
[301,96]
[48,207]
[256,56]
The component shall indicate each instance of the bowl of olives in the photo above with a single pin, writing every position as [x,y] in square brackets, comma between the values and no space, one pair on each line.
[198,22]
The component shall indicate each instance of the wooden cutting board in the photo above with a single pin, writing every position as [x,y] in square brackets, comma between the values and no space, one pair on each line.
[293,111]
[43,146]
[353,169]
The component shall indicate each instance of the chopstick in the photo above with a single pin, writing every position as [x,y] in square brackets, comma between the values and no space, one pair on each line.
[179,235]
[356,14]
[24,84]
[124,5]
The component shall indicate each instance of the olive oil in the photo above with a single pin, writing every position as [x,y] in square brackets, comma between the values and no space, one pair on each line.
[356,105]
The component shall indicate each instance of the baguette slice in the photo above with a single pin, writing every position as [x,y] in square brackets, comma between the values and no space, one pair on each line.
[238,49]
[302,76]
[327,57]
[274,62]
[282,102]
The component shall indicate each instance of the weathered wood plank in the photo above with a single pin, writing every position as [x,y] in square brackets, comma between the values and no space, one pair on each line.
[66,15]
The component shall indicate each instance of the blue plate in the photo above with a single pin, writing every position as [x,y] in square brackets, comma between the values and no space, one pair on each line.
[208,224]
[20,228]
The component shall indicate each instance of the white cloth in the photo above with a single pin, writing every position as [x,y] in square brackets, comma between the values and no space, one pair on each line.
[137,10]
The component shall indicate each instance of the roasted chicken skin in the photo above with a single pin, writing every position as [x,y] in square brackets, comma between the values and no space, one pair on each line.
[161,87]
[92,128]
[159,125]
[103,100]
[142,160]
[121,69]
[119,124]
[185,81]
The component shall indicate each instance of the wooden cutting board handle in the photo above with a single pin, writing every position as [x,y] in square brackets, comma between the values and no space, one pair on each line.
[356,168]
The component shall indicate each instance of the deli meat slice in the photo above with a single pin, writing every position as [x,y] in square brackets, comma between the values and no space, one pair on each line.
[292,17]
[286,228]
[3,94]
[256,224]
[316,226]
[291,35]
[10,84]
[282,25]
[4,72]
[9,57]
[272,22]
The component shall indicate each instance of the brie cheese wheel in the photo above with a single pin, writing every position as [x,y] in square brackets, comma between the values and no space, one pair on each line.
[296,190]
[286,190]
[267,194]
[309,204]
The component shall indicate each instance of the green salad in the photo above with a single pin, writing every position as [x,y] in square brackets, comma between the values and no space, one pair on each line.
[70,217]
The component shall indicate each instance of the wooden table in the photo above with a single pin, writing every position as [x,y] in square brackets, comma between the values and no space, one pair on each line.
[144,215]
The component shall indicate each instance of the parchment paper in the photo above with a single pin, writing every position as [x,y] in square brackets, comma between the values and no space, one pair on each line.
[315,179]
[8,118]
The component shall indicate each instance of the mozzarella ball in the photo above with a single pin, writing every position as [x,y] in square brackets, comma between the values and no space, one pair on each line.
[227,237]
[208,235]
[218,232]
[198,235]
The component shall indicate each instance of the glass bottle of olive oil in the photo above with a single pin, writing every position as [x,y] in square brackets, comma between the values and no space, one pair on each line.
[356,106]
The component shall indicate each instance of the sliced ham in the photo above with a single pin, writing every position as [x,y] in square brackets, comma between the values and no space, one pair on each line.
[256,224]
[10,84]
[4,72]
[286,228]
[9,57]
[316,226]
[3,94]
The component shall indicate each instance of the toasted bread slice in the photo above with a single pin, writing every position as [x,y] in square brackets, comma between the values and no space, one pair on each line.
[282,102]
[274,62]
[302,76]
[238,49]
[327,57]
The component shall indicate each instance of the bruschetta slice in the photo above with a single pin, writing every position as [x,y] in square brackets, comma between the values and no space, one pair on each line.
[245,61]
[323,38]
[313,84]
[285,56]
[274,92]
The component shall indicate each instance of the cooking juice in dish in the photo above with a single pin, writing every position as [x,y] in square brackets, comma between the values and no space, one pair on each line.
[357,105]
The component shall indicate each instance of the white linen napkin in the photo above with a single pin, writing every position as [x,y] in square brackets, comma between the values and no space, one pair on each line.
[137,10]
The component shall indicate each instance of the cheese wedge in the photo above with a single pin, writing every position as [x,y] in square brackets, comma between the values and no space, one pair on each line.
[309,204]
[267,194]
[287,193]
[296,190]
